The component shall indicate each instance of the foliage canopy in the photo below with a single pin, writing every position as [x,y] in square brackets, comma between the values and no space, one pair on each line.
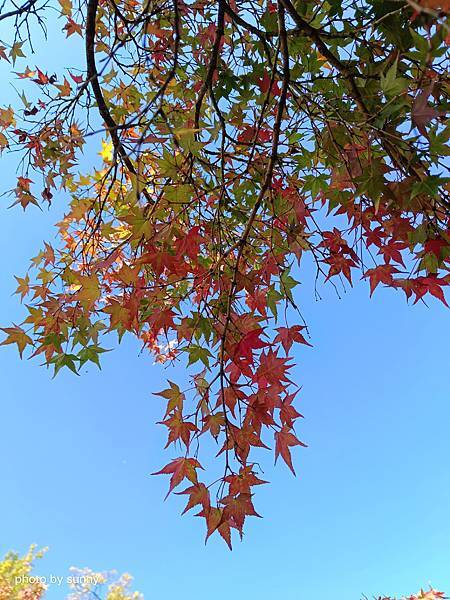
[239,140]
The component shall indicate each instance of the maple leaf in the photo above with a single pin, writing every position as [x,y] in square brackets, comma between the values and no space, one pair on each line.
[23,192]
[272,369]
[430,284]
[23,287]
[288,335]
[288,413]
[16,51]
[214,423]
[237,508]
[161,320]
[257,300]
[198,494]
[42,78]
[64,89]
[72,27]
[178,428]
[120,315]
[243,481]
[89,290]
[215,521]
[241,439]
[230,397]
[27,74]
[284,439]
[174,396]
[380,274]
[422,113]
[249,342]
[77,78]
[190,244]
[107,151]
[180,468]
[16,335]
[3,54]
[6,117]
[265,84]
[260,411]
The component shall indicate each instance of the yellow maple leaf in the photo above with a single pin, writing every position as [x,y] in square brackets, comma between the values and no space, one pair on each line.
[90,291]
[106,151]
[24,286]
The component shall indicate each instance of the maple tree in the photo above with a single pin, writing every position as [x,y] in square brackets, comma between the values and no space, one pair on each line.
[239,139]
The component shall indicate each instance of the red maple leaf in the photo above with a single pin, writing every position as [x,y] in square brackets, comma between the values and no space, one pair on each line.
[249,342]
[264,85]
[380,274]
[288,335]
[237,508]
[288,413]
[284,439]
[215,521]
[242,482]
[180,468]
[178,428]
[429,285]
[272,369]
[76,78]
[198,494]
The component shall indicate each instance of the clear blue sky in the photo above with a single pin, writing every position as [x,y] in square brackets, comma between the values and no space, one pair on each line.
[367,513]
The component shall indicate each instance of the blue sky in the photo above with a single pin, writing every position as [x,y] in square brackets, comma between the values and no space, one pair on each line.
[367,513]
